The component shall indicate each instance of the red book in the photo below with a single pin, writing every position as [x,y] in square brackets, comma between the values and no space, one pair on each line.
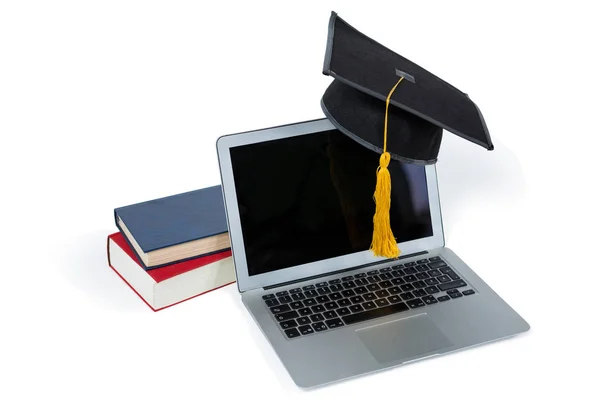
[163,287]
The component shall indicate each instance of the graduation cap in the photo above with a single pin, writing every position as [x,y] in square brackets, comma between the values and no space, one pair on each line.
[393,107]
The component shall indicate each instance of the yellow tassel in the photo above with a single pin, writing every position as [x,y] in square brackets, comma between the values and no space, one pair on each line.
[384,243]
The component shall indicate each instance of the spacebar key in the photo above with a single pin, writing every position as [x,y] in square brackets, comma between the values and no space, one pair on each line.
[376,313]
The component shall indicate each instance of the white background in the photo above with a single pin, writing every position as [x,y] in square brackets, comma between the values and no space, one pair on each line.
[107,103]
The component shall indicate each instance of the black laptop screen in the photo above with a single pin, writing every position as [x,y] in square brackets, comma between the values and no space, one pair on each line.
[308,198]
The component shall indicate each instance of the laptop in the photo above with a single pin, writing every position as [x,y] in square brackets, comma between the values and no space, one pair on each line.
[299,206]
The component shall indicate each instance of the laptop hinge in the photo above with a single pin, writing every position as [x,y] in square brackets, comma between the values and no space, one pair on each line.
[310,278]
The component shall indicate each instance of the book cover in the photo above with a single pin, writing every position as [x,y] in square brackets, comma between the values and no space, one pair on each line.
[164,287]
[173,221]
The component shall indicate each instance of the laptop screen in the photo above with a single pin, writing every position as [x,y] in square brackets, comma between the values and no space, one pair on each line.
[310,197]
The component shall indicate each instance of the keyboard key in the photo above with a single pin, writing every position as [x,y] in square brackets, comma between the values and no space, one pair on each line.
[410,278]
[296,305]
[295,290]
[431,281]
[347,278]
[331,305]
[424,261]
[382,293]
[303,320]
[434,273]
[415,303]
[374,279]
[422,268]
[432,289]
[285,299]
[306,330]
[308,287]
[468,292]
[336,296]
[344,303]
[286,315]
[329,314]
[386,269]
[335,281]
[375,313]
[271,302]
[310,302]
[323,290]
[322,299]
[437,264]
[360,275]
[446,270]
[410,264]
[410,270]
[319,327]
[268,296]
[292,333]
[456,295]
[443,298]
[407,296]
[279,309]
[444,279]
[436,258]
[452,291]
[361,281]
[298,296]
[369,305]
[394,290]
[336,287]
[451,285]
[422,275]
[318,308]
[288,324]
[371,273]
[385,276]
[334,323]
[349,285]
[282,293]
[356,308]
[343,311]
[419,293]
[382,302]
[356,299]
[407,287]
[311,293]
[396,267]
[360,290]
[385,284]
[419,284]
[429,300]
[321,284]
[369,296]
[305,311]
[317,317]
[394,299]
[454,276]
[348,293]
[398,274]
[373,287]
[398,281]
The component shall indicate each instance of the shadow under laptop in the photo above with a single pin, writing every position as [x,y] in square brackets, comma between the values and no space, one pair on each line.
[469,176]
[86,267]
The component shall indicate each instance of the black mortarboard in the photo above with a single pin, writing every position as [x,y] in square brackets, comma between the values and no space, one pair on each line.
[376,90]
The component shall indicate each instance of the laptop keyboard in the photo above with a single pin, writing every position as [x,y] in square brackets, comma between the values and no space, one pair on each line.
[363,296]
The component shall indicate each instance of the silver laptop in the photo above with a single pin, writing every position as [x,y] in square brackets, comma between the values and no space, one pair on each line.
[299,208]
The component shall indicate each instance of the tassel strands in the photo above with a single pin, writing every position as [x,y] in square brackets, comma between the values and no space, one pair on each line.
[384,243]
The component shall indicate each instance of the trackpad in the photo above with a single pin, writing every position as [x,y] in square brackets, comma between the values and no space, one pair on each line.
[403,339]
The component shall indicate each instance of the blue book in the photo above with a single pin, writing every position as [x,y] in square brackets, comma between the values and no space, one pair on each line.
[175,228]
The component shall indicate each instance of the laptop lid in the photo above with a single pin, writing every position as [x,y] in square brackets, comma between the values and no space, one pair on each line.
[299,203]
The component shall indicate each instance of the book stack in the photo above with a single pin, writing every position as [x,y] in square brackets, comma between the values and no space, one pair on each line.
[172,249]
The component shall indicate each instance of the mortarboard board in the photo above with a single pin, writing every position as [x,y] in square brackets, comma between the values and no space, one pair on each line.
[394,107]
